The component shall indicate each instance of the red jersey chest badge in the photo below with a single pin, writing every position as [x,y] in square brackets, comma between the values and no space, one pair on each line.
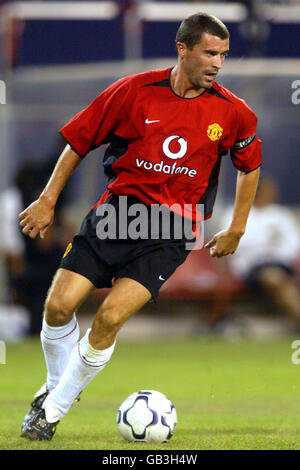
[214,131]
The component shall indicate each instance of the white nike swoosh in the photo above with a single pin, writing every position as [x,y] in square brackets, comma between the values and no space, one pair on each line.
[161,278]
[150,122]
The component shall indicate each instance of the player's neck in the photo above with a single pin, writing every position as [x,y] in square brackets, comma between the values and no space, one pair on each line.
[181,84]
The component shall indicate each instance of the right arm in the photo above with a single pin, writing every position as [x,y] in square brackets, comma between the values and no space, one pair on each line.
[86,131]
[38,217]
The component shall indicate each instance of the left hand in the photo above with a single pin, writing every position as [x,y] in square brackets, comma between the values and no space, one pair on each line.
[223,243]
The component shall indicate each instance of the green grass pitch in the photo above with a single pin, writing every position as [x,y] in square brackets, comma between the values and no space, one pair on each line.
[228,395]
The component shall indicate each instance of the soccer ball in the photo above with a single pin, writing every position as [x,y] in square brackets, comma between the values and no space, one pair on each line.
[147,416]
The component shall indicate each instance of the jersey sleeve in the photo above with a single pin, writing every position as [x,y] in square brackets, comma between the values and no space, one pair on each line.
[246,151]
[88,129]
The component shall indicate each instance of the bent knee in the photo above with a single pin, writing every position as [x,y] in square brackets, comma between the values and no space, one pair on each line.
[58,309]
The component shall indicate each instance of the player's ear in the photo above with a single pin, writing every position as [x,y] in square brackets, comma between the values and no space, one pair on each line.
[181,49]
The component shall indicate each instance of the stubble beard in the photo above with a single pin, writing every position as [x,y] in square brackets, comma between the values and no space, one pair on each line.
[197,80]
[200,82]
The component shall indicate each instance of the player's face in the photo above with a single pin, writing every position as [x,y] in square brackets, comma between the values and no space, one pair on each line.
[202,63]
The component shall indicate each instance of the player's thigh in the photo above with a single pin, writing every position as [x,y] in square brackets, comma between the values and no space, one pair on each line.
[67,292]
[272,277]
[125,298]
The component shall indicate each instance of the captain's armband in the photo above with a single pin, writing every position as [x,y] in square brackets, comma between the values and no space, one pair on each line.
[241,144]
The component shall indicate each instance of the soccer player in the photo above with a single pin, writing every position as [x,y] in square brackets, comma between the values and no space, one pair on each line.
[167,131]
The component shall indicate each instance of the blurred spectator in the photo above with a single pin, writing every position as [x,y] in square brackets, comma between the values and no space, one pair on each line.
[30,264]
[268,252]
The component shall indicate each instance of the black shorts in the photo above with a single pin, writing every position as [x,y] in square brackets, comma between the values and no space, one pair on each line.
[252,278]
[146,260]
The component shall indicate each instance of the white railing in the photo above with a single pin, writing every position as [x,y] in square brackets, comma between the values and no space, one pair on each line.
[59,10]
[147,10]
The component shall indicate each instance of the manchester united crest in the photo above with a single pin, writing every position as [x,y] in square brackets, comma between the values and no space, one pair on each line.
[214,131]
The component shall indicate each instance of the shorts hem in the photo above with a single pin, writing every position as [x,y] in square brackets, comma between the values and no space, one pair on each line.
[89,278]
[154,295]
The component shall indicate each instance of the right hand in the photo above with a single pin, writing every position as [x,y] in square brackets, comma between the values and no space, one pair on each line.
[37,218]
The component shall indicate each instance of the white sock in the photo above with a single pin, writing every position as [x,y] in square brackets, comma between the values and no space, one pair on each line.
[85,363]
[58,343]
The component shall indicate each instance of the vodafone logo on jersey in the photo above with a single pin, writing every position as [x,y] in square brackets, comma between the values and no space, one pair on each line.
[174,147]
[174,155]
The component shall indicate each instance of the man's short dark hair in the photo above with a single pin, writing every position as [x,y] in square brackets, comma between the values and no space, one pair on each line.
[191,29]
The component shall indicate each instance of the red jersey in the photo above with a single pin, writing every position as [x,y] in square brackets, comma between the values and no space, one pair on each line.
[163,148]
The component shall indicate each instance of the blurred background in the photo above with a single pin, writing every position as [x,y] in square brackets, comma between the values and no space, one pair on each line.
[56,57]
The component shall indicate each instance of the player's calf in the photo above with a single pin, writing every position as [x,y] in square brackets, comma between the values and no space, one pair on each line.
[105,327]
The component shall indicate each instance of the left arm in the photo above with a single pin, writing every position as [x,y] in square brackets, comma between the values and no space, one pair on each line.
[226,241]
